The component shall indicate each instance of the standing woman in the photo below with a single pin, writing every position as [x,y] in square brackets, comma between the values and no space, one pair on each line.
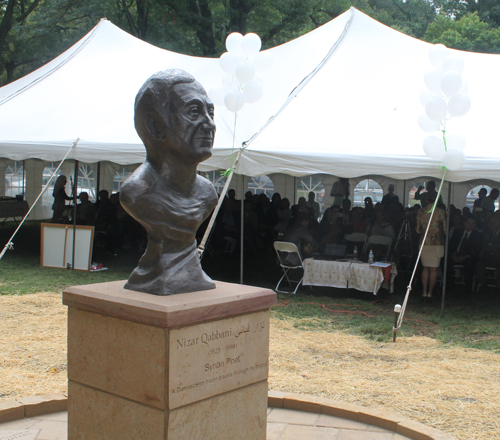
[60,198]
[433,249]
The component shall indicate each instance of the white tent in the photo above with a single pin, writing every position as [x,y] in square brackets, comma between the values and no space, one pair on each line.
[341,100]
[358,115]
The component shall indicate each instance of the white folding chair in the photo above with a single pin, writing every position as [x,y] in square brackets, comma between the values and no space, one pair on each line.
[289,259]
[356,239]
[458,274]
[491,278]
[379,240]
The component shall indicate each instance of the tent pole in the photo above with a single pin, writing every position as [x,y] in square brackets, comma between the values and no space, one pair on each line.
[242,229]
[404,193]
[201,246]
[294,190]
[446,250]
[98,180]
[24,180]
[74,213]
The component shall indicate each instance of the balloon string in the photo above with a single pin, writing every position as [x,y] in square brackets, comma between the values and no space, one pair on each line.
[408,289]
[231,168]
[444,135]
[439,193]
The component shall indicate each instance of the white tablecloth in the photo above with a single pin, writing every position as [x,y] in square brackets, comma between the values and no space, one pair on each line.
[360,276]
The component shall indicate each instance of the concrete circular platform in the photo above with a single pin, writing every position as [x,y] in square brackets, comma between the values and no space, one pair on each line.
[282,424]
[289,417]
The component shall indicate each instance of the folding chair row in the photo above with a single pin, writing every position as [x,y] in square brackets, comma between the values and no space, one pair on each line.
[357,238]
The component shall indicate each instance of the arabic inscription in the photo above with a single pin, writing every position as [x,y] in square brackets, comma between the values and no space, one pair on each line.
[216,357]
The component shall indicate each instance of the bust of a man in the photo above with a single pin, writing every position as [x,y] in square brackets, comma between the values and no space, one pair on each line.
[174,119]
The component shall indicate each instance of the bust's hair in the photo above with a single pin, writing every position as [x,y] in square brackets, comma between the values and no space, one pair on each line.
[154,96]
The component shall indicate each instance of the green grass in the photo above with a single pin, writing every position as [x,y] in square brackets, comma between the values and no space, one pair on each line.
[467,324]
[473,323]
[21,273]
[19,276]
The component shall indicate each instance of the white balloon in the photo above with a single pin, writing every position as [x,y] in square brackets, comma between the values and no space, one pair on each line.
[228,63]
[432,79]
[217,95]
[263,61]
[259,78]
[252,92]
[434,147]
[233,42]
[454,159]
[453,63]
[451,82]
[245,73]
[437,55]
[425,95]
[426,124]
[459,104]
[436,108]
[251,44]
[234,101]
[455,142]
[465,88]
[230,82]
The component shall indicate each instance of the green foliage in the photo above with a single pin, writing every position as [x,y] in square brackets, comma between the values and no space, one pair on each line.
[467,33]
[39,30]
[487,10]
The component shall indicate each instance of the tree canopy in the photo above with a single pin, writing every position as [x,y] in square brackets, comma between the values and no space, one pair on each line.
[32,32]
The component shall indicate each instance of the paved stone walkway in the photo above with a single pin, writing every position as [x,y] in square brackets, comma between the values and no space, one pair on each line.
[282,424]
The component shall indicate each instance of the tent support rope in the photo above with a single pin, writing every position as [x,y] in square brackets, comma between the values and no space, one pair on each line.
[201,246]
[304,81]
[399,322]
[9,244]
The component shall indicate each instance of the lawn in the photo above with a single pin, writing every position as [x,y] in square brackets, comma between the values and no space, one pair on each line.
[442,370]
[472,323]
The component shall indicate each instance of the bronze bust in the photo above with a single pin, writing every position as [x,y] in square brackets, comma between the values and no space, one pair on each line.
[174,119]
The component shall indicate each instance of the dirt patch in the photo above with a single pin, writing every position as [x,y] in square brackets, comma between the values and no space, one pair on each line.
[32,345]
[452,389]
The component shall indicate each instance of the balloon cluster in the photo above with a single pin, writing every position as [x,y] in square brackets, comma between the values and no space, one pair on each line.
[445,97]
[242,64]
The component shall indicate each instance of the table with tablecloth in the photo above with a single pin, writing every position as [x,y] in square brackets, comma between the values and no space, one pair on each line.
[13,208]
[352,273]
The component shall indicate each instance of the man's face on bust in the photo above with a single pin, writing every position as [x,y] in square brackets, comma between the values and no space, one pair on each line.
[191,128]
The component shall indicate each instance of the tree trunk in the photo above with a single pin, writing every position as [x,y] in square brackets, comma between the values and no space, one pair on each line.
[200,18]
[238,13]
[6,23]
[142,19]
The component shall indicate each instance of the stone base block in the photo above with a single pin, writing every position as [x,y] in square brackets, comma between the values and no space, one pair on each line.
[191,366]
[96,415]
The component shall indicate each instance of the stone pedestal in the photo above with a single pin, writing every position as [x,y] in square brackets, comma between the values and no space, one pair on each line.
[191,366]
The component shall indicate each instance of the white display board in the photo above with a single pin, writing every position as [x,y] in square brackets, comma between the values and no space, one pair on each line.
[57,246]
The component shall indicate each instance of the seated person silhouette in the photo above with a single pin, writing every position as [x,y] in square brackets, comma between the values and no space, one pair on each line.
[85,210]
[174,119]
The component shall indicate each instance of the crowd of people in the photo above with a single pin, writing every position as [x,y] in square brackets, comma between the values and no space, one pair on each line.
[113,225]
[473,236]
[266,220]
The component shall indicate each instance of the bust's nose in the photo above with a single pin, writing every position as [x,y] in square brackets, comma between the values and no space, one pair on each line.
[208,124]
